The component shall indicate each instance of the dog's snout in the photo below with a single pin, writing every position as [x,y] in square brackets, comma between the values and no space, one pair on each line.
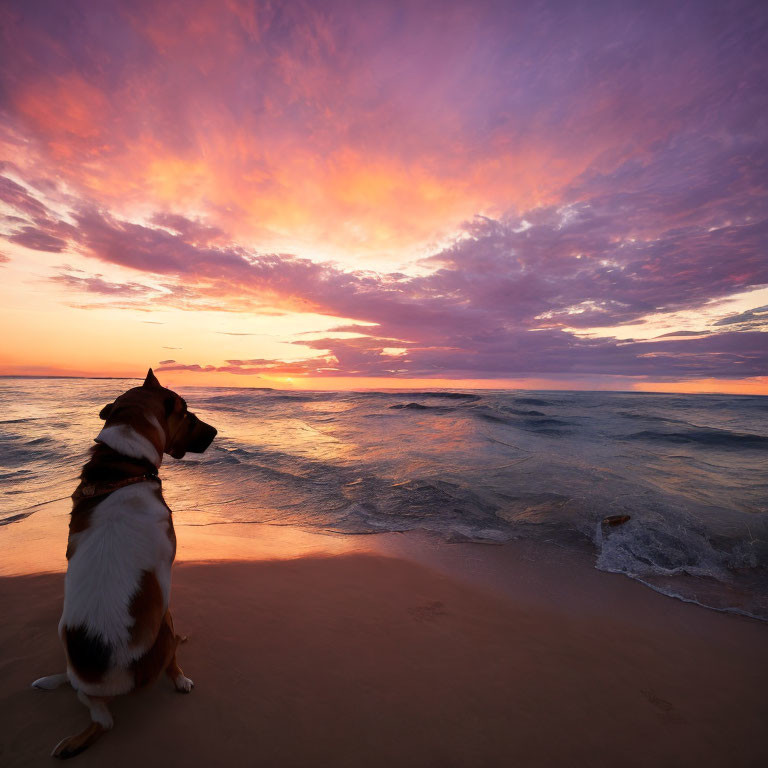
[201,437]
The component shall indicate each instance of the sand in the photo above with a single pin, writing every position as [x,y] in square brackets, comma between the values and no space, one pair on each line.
[366,659]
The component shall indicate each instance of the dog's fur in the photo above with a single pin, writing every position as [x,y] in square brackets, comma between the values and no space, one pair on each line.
[116,628]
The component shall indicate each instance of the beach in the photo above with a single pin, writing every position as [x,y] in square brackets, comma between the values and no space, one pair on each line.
[314,650]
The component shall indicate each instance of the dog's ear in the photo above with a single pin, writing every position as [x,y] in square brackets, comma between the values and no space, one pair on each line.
[151,381]
[106,411]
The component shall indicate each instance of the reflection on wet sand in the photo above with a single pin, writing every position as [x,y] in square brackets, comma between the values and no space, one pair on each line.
[39,546]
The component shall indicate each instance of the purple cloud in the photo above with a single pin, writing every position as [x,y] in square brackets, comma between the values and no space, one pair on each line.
[37,240]
[96,284]
[192,230]
[753,318]
[45,233]
[17,197]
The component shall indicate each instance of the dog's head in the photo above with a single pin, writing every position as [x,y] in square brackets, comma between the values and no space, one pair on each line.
[161,416]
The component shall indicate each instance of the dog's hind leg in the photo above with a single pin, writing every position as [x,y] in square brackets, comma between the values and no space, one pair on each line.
[173,670]
[101,721]
[182,683]
[50,682]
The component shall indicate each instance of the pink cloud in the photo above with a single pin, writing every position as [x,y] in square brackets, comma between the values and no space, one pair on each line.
[37,240]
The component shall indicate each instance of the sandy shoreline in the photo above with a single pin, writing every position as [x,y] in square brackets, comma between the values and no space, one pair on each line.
[363,659]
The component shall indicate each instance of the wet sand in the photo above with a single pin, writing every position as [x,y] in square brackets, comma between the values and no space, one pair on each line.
[465,657]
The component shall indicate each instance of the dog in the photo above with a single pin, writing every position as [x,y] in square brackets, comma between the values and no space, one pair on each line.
[116,628]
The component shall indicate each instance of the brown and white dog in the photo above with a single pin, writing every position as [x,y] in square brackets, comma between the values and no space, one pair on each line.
[116,628]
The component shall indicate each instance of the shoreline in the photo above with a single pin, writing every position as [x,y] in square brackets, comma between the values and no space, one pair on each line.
[37,545]
[401,650]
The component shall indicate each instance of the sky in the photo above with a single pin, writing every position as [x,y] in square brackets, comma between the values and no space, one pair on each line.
[546,195]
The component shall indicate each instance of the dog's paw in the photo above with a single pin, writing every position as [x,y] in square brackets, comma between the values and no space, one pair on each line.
[183,684]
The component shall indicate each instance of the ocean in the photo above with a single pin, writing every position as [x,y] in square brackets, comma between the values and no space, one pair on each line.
[487,466]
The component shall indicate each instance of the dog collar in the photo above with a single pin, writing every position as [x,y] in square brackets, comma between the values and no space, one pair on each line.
[92,490]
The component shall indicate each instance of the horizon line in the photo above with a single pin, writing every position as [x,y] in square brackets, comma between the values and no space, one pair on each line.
[403,389]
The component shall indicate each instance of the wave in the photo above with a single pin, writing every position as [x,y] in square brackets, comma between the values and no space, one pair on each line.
[239,400]
[705,436]
[16,474]
[420,407]
[292,398]
[39,441]
[649,417]
[547,422]
[15,518]
[688,564]
[467,396]
[20,421]
[526,421]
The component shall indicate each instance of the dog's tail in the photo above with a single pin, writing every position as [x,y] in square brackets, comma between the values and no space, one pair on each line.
[101,721]
[74,745]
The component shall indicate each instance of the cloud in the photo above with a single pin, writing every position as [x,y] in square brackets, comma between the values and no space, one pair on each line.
[503,300]
[617,155]
[193,230]
[16,196]
[739,355]
[378,130]
[683,333]
[96,284]
[36,227]
[249,367]
[752,318]
[236,333]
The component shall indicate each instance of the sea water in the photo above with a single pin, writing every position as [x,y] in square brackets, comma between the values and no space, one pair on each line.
[689,471]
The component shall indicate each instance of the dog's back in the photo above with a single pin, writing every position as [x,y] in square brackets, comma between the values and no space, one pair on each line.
[117,588]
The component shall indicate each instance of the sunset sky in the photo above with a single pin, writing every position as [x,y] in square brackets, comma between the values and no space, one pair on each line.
[381,194]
